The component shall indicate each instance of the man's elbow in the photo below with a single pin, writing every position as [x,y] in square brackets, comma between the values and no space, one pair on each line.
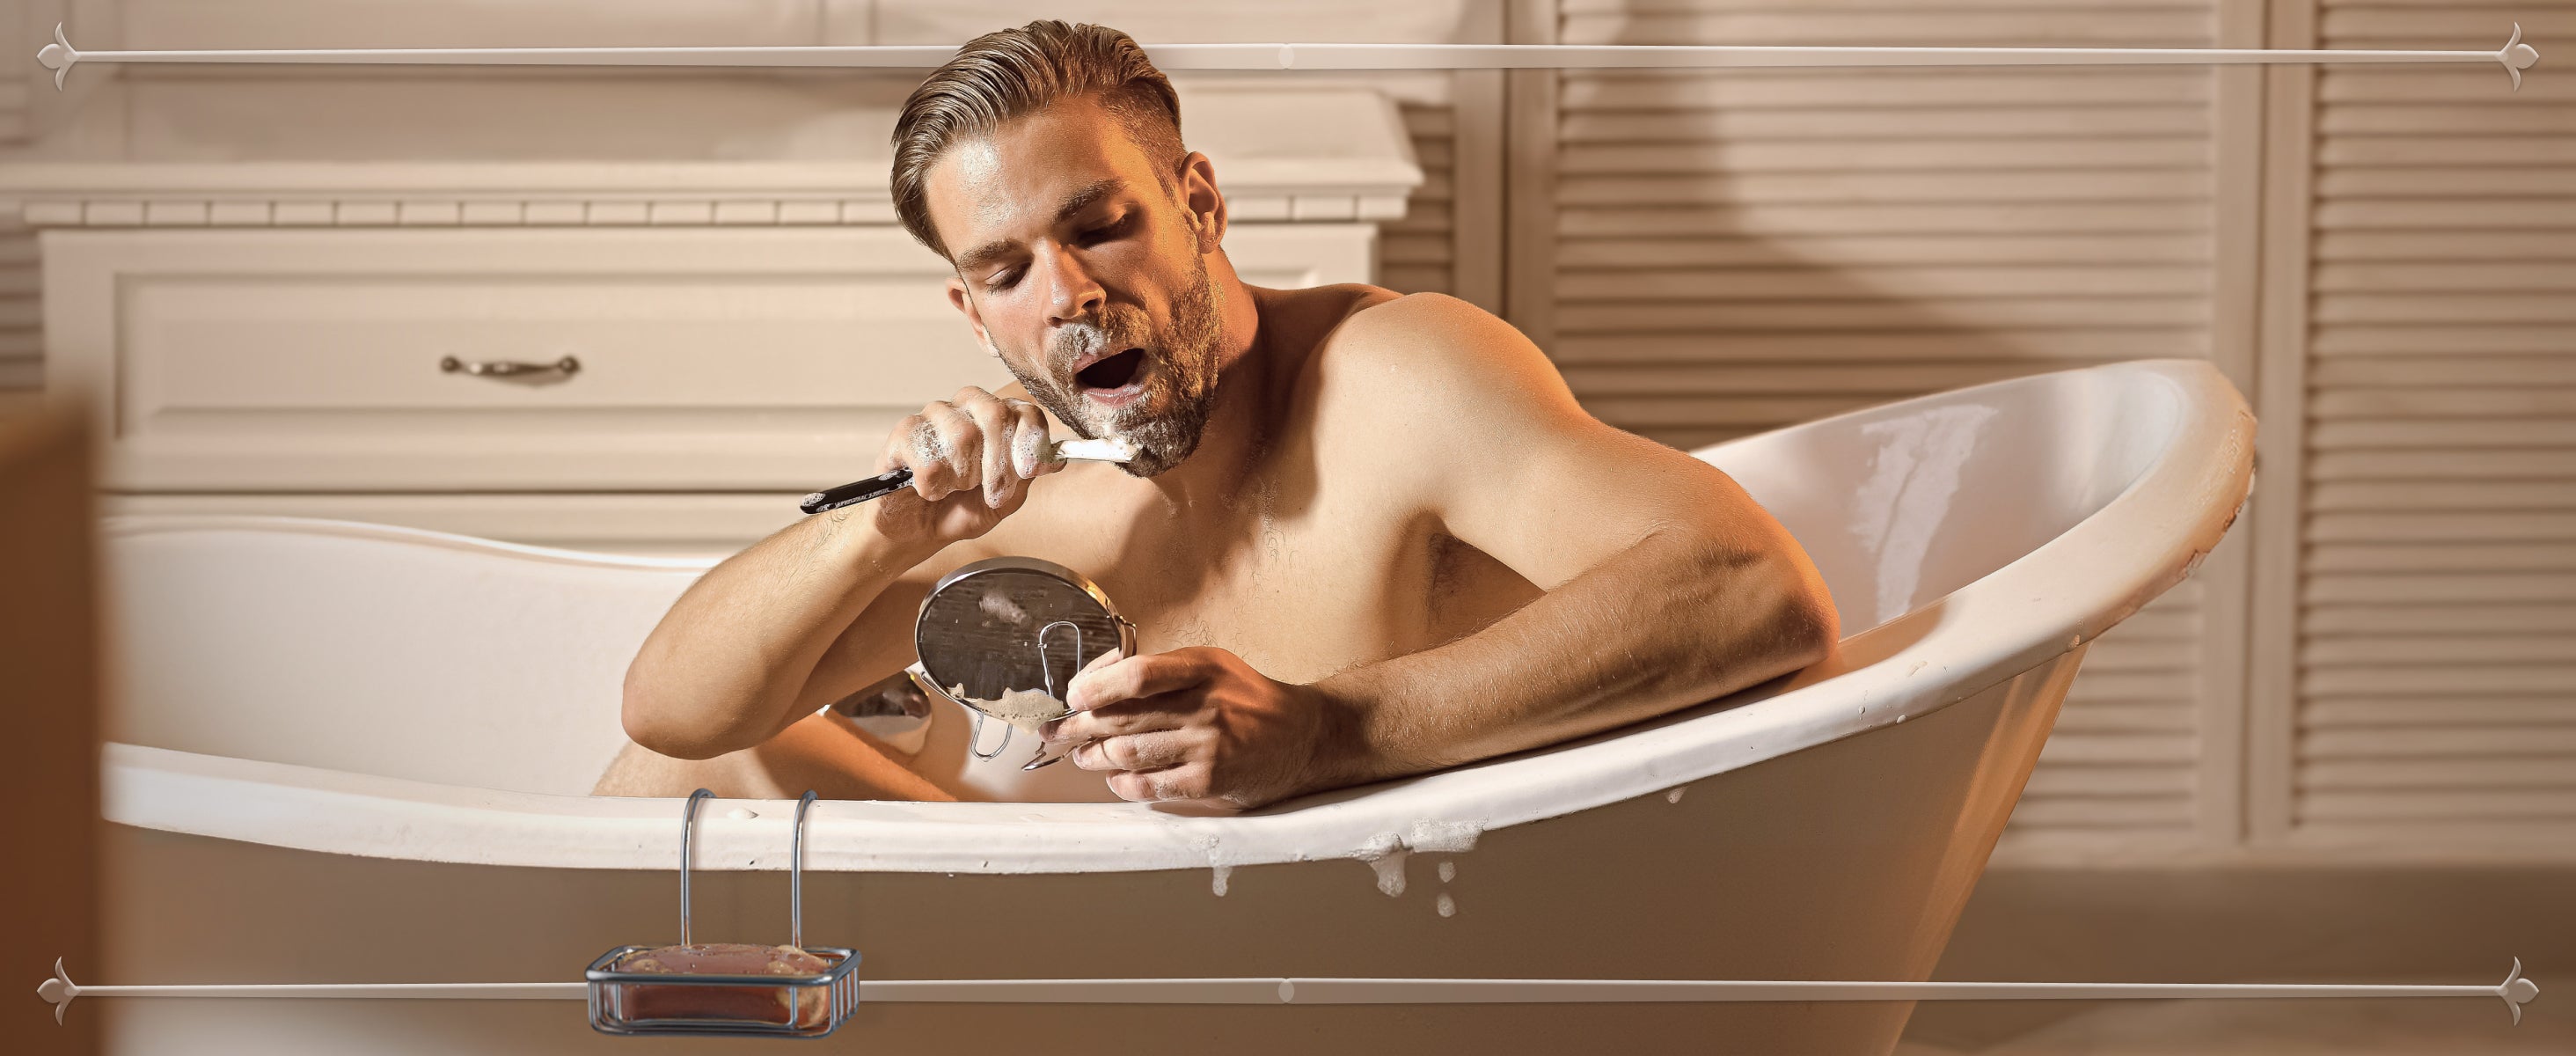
[1785,616]
[657,727]
[1807,627]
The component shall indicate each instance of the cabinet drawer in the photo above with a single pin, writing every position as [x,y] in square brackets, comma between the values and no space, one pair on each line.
[708,359]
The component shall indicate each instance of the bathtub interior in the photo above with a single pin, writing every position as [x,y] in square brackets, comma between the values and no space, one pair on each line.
[426,657]
[1901,505]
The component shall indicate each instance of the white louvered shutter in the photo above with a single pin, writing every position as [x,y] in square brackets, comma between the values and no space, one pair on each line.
[21,310]
[1744,249]
[2437,649]
[1415,253]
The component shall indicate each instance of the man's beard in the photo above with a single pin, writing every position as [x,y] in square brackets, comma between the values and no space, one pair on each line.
[1184,362]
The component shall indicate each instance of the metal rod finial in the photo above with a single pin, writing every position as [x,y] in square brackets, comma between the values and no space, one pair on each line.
[2517,991]
[58,56]
[60,990]
[2517,56]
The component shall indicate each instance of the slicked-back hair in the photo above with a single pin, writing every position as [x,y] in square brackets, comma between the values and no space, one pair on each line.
[1013,73]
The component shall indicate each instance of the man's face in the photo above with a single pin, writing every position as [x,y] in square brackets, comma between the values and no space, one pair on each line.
[1080,267]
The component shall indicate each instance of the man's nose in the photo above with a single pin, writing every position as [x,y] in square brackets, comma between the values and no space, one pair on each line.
[1071,293]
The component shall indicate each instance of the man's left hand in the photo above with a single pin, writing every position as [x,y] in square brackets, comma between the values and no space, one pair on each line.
[1200,724]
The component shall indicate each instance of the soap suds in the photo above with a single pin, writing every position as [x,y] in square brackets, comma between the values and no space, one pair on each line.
[1026,709]
[1448,872]
[1675,796]
[1390,871]
[1386,855]
[1443,837]
[1000,606]
[1219,876]
[1448,906]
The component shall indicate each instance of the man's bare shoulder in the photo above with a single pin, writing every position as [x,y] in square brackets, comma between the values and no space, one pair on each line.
[1435,350]
[1419,391]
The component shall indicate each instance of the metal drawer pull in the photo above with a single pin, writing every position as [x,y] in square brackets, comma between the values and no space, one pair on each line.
[503,368]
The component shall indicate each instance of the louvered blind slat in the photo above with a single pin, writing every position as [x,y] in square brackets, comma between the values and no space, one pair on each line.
[1416,254]
[21,307]
[2438,596]
[1743,249]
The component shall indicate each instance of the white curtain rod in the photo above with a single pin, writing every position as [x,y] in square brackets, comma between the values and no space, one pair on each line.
[2515,56]
[2514,991]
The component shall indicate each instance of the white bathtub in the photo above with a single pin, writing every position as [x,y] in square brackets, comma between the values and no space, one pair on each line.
[358,753]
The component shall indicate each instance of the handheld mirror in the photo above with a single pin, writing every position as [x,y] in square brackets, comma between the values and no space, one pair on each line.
[1003,637]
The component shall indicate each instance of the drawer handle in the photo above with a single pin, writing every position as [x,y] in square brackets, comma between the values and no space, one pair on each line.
[503,368]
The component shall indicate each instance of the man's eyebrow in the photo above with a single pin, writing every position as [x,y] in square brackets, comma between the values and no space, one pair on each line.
[1087,197]
[975,259]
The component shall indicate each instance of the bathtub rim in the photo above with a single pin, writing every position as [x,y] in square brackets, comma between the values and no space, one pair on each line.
[2061,594]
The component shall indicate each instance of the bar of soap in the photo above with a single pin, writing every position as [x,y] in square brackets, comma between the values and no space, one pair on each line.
[785,1005]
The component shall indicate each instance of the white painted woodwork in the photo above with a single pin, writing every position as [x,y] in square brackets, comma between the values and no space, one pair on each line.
[1299,154]
[650,524]
[723,359]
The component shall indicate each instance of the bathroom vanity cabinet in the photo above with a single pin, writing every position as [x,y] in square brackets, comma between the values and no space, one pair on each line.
[639,357]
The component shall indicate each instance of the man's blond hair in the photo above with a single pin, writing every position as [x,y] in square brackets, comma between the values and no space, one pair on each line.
[1012,73]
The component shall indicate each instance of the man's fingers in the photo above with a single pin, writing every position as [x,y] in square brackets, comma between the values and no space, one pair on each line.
[929,445]
[961,455]
[975,441]
[1138,751]
[1151,674]
[1124,717]
[1054,731]
[1029,440]
[1152,786]
[993,426]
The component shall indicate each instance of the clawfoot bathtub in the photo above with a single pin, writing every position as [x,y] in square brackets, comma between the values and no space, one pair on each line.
[356,753]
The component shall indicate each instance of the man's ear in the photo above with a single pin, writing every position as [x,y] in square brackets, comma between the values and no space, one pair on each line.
[965,306]
[1202,201]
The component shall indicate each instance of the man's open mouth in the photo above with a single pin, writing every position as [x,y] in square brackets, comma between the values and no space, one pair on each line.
[1110,376]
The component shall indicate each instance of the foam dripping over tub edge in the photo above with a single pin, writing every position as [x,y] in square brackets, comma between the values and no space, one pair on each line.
[1386,855]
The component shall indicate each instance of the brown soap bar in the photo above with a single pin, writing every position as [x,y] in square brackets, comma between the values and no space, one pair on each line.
[798,1007]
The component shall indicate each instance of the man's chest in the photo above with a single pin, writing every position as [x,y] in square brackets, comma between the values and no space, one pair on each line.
[1296,596]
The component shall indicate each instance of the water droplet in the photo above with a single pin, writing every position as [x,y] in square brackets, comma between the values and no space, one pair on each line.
[1448,906]
[1675,795]
[1448,871]
[1218,877]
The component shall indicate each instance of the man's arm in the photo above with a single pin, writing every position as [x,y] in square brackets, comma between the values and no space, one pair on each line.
[1665,586]
[826,605]
[741,653]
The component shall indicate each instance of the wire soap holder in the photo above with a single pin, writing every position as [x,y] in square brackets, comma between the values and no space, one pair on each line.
[779,1004]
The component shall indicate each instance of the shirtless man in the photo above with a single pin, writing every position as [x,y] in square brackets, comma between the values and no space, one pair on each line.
[1368,535]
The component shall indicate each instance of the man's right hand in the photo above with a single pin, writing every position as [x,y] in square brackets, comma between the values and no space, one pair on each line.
[972,457]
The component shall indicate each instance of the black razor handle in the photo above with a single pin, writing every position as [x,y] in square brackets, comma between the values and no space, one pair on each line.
[857,491]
